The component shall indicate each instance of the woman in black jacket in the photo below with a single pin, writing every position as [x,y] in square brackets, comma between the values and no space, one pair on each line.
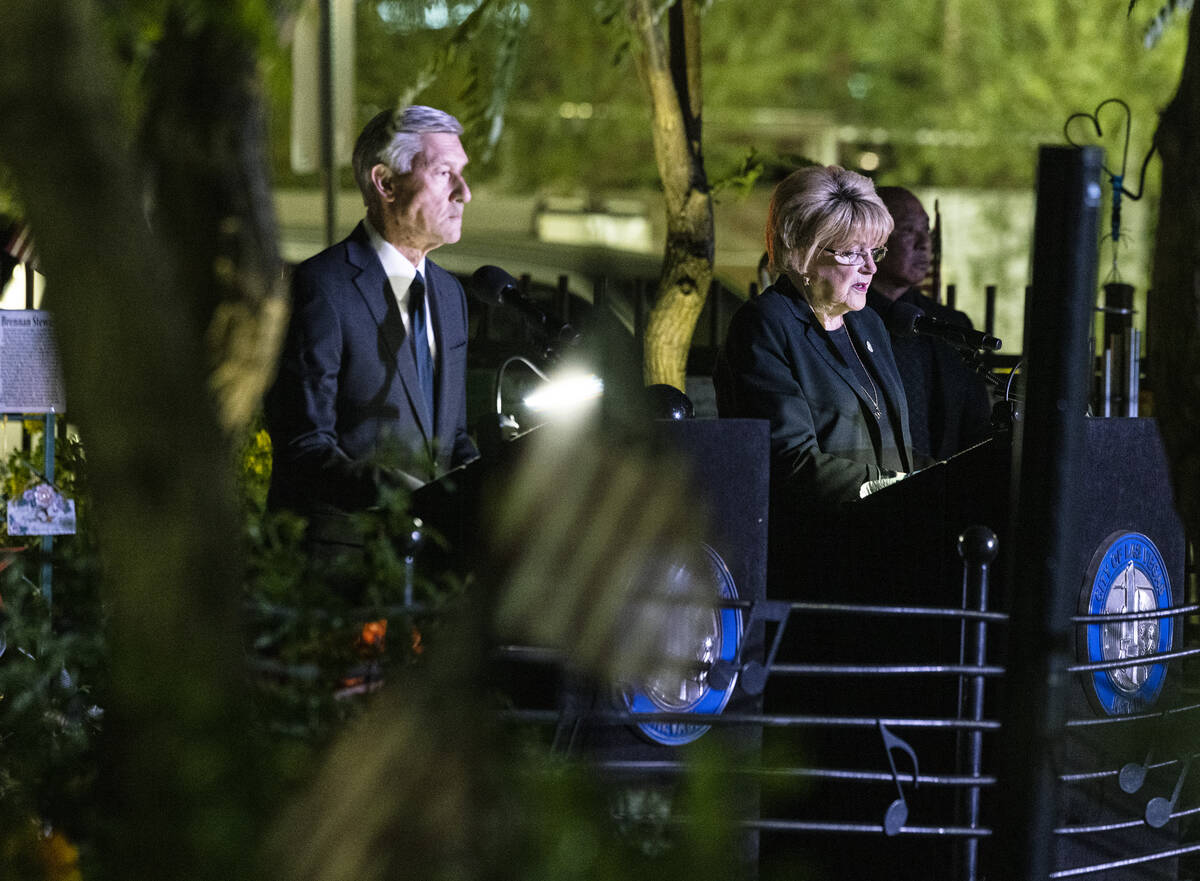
[806,356]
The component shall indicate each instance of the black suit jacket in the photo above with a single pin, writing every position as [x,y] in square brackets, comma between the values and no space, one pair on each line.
[824,442]
[345,411]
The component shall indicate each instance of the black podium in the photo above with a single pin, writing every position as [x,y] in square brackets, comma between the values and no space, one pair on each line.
[898,549]
[917,520]
[636,735]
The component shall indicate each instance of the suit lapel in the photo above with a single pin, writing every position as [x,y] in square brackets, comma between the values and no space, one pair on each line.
[815,338]
[889,379]
[446,313]
[374,288]
[438,318]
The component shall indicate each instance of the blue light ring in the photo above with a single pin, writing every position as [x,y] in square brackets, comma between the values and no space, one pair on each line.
[1115,552]
[713,700]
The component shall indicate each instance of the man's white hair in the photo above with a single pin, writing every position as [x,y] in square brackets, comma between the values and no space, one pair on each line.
[393,138]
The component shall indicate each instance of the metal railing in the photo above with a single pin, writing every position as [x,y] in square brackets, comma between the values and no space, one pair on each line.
[955,808]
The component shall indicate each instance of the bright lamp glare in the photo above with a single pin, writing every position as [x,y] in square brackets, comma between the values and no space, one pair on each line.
[565,394]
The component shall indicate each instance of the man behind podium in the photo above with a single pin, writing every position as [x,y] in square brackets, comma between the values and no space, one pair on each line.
[372,379]
[949,406]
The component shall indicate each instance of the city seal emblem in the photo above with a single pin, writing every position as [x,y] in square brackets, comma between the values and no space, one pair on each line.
[690,691]
[1126,579]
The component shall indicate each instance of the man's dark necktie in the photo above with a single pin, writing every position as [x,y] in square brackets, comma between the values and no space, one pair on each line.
[420,338]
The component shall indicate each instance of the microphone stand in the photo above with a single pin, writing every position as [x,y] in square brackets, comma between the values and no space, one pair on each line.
[493,286]
[553,346]
[974,359]
[1010,407]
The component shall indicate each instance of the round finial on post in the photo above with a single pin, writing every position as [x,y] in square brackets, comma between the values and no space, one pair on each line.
[978,544]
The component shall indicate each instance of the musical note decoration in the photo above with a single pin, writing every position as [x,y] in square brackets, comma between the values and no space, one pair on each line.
[897,812]
[1132,775]
[754,674]
[1158,809]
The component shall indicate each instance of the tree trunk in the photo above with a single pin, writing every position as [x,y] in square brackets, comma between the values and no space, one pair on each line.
[673,83]
[1174,304]
[205,129]
[180,797]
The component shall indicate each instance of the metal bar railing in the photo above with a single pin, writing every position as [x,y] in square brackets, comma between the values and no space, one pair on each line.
[767,720]
[950,781]
[900,611]
[977,546]
[1136,661]
[967,785]
[1123,824]
[1125,863]
[774,825]
[983,671]
[1115,617]
[1130,718]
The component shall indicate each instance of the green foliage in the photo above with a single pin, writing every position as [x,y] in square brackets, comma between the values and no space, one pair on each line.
[958,93]
[52,669]
[961,91]
[574,826]
[755,169]
[23,470]
[955,94]
[51,680]
[314,657]
[405,56]
[743,178]
[328,629]
[1168,13]
[8,200]
[254,469]
[488,42]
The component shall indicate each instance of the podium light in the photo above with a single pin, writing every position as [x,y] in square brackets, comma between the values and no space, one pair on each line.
[565,394]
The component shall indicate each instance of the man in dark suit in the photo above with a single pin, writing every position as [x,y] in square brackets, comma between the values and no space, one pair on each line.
[371,388]
[949,406]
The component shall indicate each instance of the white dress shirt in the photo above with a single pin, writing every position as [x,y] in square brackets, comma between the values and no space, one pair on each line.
[401,273]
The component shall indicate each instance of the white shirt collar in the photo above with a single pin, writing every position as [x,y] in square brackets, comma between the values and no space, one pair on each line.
[400,274]
[396,266]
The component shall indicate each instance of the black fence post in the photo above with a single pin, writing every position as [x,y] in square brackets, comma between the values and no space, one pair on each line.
[989,309]
[716,314]
[1047,466]
[977,546]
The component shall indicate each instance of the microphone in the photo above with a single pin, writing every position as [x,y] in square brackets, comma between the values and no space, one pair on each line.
[494,286]
[906,319]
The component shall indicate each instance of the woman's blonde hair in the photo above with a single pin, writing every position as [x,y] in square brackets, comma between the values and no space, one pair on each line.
[822,207]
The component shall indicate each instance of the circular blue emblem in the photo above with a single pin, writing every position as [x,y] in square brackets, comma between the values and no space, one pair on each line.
[673,693]
[1127,574]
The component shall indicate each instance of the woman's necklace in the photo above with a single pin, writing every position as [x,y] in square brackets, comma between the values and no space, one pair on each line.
[873,394]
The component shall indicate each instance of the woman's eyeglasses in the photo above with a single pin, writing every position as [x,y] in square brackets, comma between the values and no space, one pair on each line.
[857,258]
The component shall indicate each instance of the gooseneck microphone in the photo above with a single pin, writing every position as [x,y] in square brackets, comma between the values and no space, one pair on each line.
[905,319]
[492,285]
